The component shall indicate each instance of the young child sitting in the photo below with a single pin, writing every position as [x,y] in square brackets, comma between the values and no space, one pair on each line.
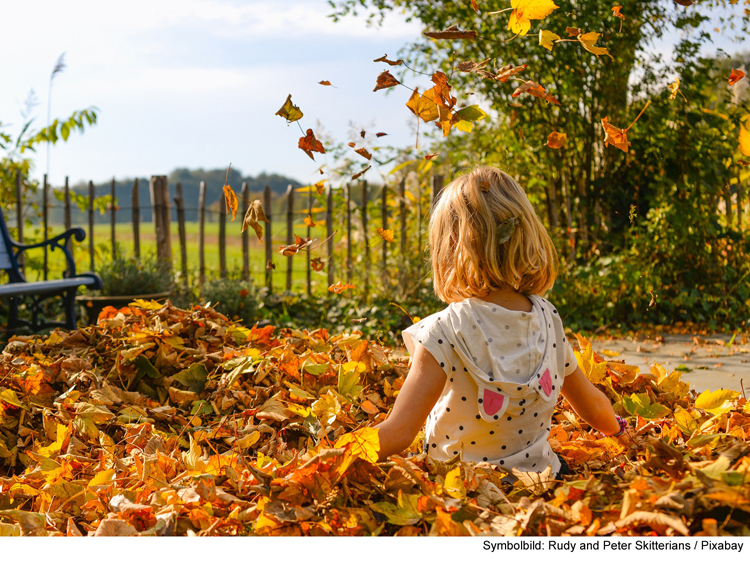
[487,370]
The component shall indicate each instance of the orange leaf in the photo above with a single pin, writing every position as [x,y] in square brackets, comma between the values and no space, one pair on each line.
[317,264]
[253,217]
[736,76]
[381,134]
[231,200]
[616,12]
[573,31]
[325,83]
[309,222]
[319,186]
[475,5]
[338,288]
[615,136]
[431,156]
[299,244]
[364,152]
[270,265]
[556,140]
[387,235]
[352,144]
[385,80]
[384,59]
[369,407]
[508,71]
[530,87]
[360,173]
[308,144]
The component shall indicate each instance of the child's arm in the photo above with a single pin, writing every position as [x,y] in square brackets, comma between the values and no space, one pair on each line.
[590,403]
[421,390]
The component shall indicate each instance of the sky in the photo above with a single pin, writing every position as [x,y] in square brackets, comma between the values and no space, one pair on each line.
[196,83]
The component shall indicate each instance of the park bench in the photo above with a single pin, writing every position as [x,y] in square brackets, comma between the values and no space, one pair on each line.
[35,293]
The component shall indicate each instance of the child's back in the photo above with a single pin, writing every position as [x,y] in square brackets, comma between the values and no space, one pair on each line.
[504,371]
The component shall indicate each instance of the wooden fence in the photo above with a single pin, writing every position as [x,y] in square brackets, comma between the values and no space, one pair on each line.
[165,199]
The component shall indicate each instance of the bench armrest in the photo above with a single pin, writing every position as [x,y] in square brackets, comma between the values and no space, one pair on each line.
[57,242]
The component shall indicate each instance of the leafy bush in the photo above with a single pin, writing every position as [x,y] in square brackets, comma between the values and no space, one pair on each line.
[129,276]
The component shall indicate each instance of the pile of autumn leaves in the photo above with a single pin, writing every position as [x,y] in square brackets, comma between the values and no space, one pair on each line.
[160,421]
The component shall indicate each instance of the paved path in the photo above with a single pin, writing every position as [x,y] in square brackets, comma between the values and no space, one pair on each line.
[711,363]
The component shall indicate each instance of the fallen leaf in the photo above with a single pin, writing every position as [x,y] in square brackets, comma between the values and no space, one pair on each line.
[736,76]
[387,235]
[384,59]
[338,288]
[527,10]
[317,264]
[364,152]
[360,173]
[289,111]
[308,144]
[556,140]
[451,32]
[253,217]
[547,38]
[385,80]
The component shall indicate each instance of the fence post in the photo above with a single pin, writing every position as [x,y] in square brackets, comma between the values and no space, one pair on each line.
[19,217]
[92,194]
[202,235]
[113,220]
[159,189]
[179,201]
[437,187]
[329,233]
[222,237]
[384,216]
[245,235]
[366,238]
[309,235]
[289,234]
[135,198]
[45,223]
[348,198]
[728,204]
[740,195]
[269,233]
[419,220]
[402,236]
[66,216]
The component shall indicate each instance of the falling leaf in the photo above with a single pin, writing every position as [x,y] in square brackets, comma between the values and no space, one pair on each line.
[352,144]
[325,83]
[451,33]
[384,59]
[320,186]
[685,3]
[508,71]
[616,136]
[360,173]
[616,12]
[573,31]
[527,10]
[299,244]
[530,87]
[338,288]
[380,134]
[588,40]
[364,152]
[309,222]
[422,106]
[385,80]
[387,235]
[431,156]
[675,89]
[289,111]
[253,217]
[556,140]
[230,197]
[744,140]
[308,144]
[736,76]
[471,66]
[317,264]
[547,38]
[270,265]
[362,134]
[475,5]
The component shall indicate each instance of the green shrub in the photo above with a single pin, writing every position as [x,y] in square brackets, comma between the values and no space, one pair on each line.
[129,276]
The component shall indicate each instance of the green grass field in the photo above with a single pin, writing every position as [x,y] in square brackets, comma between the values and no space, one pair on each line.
[124,238]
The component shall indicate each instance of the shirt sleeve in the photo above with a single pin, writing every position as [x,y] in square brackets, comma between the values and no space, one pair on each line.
[571,363]
[430,333]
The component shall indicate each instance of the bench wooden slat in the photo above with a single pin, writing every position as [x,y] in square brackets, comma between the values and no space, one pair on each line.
[42,287]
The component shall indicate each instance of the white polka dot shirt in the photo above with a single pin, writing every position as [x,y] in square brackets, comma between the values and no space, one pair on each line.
[504,370]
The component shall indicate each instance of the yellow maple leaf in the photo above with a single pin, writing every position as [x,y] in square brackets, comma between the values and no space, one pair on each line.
[422,106]
[527,10]
[588,40]
[547,38]
[387,235]
[744,140]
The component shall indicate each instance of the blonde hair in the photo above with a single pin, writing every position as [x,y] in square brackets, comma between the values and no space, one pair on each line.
[468,260]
